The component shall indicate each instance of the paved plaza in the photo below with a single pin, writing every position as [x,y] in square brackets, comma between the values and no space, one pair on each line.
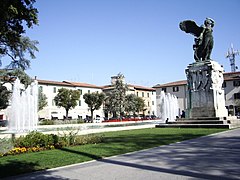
[210,157]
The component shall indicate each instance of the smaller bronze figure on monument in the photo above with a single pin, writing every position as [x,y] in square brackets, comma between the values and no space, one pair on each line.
[203,37]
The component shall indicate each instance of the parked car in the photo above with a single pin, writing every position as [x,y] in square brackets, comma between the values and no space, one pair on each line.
[54,115]
[3,123]
[98,120]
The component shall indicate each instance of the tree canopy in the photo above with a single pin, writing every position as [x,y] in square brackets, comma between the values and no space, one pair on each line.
[4,97]
[134,104]
[140,104]
[42,100]
[94,101]
[116,98]
[67,98]
[13,14]
[9,77]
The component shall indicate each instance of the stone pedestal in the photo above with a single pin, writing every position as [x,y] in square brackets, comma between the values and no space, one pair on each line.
[205,95]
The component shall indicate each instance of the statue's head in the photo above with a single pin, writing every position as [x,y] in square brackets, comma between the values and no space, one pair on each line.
[209,22]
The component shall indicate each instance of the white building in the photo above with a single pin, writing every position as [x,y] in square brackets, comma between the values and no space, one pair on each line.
[231,87]
[81,111]
[148,94]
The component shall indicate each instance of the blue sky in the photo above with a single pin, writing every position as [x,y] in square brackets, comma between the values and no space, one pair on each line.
[91,40]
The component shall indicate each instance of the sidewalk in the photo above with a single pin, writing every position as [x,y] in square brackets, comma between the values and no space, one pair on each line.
[211,157]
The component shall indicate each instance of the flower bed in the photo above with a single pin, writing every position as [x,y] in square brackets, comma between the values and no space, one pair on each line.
[127,119]
[36,141]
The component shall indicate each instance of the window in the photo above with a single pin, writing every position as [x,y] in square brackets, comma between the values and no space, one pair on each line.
[164,89]
[79,103]
[236,95]
[175,89]
[40,89]
[142,94]
[54,89]
[148,104]
[80,91]
[224,84]
[137,93]
[153,103]
[88,91]
[236,83]
[147,94]
[53,103]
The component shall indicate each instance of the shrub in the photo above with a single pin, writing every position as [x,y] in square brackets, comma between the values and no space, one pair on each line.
[88,139]
[34,139]
[5,145]
[37,141]
[46,122]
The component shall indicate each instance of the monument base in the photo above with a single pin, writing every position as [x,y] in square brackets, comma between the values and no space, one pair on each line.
[205,98]
[205,95]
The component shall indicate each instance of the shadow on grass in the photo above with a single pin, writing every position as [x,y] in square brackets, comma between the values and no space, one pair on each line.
[15,169]
[92,156]
[136,142]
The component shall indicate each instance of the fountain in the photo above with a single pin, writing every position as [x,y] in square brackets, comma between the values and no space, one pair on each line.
[23,112]
[167,106]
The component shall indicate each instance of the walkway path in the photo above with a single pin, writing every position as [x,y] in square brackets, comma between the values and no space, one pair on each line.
[211,157]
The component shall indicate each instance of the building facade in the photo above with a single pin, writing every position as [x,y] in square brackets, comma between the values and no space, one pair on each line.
[231,87]
[146,93]
[81,111]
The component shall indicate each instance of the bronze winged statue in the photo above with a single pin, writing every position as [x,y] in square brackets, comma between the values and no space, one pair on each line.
[203,37]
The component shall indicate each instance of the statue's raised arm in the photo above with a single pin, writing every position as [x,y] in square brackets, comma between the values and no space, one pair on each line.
[203,37]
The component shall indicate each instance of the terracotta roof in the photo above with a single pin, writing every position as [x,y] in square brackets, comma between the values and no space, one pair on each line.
[68,83]
[175,83]
[231,73]
[107,87]
[79,84]
[52,82]
[227,77]
[137,87]
[231,76]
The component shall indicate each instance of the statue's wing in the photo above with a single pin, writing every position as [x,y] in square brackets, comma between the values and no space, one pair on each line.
[191,27]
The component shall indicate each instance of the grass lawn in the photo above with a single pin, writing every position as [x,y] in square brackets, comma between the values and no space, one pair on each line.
[115,143]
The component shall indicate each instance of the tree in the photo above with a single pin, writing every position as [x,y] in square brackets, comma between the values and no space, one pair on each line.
[4,97]
[115,101]
[140,104]
[94,101]
[67,98]
[9,77]
[134,104]
[13,13]
[42,100]
[130,103]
